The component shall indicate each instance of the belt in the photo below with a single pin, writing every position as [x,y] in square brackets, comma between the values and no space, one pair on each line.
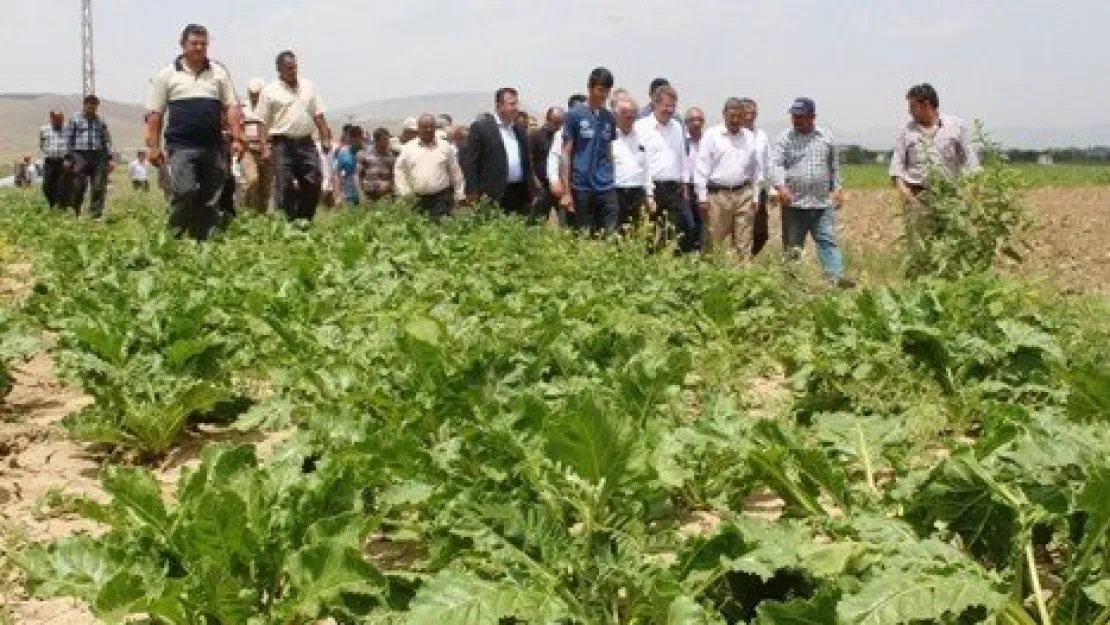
[719,188]
[668,183]
[287,139]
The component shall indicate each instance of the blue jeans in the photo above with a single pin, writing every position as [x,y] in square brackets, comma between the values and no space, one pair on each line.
[821,224]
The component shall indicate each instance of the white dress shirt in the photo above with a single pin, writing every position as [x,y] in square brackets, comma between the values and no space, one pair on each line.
[555,157]
[512,150]
[763,152]
[666,148]
[138,171]
[630,165]
[691,158]
[726,159]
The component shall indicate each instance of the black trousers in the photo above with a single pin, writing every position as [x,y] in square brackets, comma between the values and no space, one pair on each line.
[197,179]
[56,181]
[90,171]
[297,177]
[436,205]
[595,211]
[630,206]
[674,218]
[761,229]
[515,201]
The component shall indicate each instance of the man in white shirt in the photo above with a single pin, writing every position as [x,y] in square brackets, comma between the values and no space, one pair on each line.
[428,171]
[695,129]
[761,231]
[664,141]
[726,172]
[291,109]
[630,167]
[139,174]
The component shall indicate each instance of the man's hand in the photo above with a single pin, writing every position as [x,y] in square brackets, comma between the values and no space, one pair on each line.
[556,189]
[237,148]
[567,202]
[651,205]
[837,198]
[786,198]
[156,157]
[703,208]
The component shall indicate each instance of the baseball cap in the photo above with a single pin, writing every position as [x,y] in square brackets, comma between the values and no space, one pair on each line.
[255,85]
[803,106]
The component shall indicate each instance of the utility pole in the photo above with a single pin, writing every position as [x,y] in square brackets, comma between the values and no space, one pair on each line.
[88,64]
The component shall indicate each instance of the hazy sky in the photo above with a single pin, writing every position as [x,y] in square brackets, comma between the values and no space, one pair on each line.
[1010,62]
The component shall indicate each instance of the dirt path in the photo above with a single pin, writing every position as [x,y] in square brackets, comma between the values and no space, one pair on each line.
[36,459]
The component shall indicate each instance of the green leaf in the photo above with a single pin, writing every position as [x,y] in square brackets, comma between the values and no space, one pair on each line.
[137,495]
[76,566]
[1099,593]
[686,611]
[457,598]
[893,598]
[962,494]
[318,575]
[818,610]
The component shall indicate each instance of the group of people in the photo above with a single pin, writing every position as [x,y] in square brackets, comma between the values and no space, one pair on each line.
[601,164]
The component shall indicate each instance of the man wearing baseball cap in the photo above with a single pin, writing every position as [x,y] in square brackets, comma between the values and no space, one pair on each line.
[258,171]
[805,168]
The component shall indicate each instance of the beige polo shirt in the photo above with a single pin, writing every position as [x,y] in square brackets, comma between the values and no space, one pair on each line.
[427,169]
[290,112]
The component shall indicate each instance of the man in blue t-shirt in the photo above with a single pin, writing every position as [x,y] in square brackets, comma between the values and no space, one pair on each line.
[587,168]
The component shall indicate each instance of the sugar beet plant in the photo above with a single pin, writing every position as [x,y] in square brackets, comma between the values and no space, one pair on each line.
[488,423]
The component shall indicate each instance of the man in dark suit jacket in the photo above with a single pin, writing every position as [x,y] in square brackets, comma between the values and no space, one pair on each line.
[495,161]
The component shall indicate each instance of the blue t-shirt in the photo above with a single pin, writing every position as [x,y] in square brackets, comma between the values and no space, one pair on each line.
[345,161]
[591,132]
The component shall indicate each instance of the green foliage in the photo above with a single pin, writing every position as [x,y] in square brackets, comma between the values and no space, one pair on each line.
[969,222]
[490,423]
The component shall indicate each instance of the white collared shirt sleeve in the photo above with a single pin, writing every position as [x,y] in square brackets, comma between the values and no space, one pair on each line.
[555,157]
[703,165]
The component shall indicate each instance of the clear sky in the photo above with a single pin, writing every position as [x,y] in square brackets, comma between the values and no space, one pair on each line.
[1010,62]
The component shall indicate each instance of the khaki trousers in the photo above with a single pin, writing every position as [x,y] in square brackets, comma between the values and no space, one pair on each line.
[258,181]
[731,221]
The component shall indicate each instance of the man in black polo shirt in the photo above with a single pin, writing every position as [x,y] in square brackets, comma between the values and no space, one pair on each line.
[201,102]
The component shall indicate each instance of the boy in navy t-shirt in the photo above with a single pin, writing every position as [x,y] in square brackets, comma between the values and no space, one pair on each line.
[587,168]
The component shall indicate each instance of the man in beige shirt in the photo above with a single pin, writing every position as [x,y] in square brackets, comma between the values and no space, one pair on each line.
[291,110]
[428,171]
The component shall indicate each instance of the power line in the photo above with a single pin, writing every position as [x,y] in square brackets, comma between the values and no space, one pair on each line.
[88,64]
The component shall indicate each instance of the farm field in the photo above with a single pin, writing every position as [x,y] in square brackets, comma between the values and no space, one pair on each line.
[379,420]
[1036,176]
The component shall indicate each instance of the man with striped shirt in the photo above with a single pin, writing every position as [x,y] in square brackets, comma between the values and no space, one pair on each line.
[90,147]
[55,148]
[806,174]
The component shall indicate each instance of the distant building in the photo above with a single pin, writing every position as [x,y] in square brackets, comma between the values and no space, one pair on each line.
[881,158]
[1045,159]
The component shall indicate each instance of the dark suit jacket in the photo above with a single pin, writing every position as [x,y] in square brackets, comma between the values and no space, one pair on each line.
[483,161]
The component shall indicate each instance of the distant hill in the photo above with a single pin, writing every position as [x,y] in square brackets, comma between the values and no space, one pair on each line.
[21,116]
[391,112]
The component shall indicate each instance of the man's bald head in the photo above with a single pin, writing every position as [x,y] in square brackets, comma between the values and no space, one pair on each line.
[555,118]
[426,128]
[695,121]
[626,111]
